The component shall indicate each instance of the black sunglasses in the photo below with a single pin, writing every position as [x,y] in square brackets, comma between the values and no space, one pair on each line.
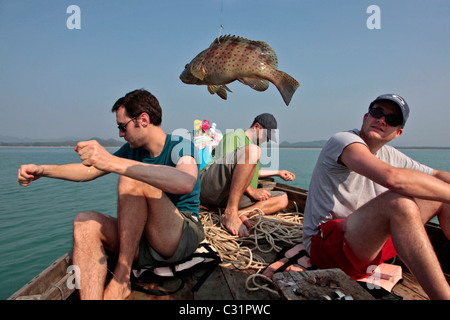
[390,119]
[123,127]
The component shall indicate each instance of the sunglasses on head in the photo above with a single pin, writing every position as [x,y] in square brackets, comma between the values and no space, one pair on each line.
[390,119]
[123,127]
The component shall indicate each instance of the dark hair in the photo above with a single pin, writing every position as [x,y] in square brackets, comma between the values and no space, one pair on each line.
[139,101]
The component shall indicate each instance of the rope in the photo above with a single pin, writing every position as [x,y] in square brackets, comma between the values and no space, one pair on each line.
[258,286]
[60,290]
[266,233]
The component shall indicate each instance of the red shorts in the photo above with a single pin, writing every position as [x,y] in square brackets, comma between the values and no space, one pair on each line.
[330,250]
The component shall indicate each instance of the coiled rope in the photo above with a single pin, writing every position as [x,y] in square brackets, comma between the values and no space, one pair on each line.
[266,234]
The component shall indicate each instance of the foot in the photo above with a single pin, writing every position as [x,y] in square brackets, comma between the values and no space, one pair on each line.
[235,225]
[116,290]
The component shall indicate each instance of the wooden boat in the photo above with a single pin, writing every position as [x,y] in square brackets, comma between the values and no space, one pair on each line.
[225,283]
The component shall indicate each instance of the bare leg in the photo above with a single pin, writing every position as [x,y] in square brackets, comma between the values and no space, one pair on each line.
[269,206]
[403,218]
[132,216]
[142,209]
[242,176]
[93,230]
[444,220]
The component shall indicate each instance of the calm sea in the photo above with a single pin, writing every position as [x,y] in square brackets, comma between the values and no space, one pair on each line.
[36,221]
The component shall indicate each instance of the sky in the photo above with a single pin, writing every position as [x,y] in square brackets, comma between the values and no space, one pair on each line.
[58,82]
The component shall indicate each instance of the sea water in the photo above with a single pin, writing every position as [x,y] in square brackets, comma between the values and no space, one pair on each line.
[36,222]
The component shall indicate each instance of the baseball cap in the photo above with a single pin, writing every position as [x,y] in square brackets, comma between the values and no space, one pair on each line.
[401,103]
[269,123]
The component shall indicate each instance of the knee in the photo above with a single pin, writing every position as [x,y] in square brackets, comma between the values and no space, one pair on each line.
[126,185]
[84,223]
[283,201]
[132,187]
[403,207]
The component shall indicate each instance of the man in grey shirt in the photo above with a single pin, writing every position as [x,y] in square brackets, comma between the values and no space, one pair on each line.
[367,201]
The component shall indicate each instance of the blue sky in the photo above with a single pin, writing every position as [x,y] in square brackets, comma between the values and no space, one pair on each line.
[56,82]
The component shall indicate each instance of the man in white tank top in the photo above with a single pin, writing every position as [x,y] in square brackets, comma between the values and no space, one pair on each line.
[368,201]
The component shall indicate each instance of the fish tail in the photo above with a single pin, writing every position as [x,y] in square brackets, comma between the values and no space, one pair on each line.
[286,85]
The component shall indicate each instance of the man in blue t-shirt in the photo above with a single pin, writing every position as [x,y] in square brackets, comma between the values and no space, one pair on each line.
[158,198]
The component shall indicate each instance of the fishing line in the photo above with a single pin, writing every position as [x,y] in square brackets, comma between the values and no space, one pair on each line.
[220,20]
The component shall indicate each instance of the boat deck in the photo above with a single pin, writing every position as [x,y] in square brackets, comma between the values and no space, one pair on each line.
[226,282]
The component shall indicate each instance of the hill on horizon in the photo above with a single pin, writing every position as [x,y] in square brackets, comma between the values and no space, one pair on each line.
[61,142]
[7,141]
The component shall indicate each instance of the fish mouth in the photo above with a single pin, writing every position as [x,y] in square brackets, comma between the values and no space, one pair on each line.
[188,78]
[188,81]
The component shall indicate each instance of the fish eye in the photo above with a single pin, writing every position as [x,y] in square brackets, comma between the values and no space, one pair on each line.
[186,66]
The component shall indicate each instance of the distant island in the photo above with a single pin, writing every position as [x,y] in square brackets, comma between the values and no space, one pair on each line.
[303,144]
[71,142]
[62,143]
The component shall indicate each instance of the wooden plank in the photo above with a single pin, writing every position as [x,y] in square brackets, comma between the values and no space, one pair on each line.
[306,290]
[296,196]
[42,282]
[31,297]
[236,281]
[214,288]
[409,288]
[59,290]
[184,294]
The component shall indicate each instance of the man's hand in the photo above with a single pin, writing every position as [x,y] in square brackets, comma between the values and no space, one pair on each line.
[28,173]
[286,175]
[93,154]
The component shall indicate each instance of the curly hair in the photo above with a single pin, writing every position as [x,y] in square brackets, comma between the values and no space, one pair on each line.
[139,101]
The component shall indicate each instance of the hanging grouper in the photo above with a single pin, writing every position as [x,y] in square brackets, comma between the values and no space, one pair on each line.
[230,58]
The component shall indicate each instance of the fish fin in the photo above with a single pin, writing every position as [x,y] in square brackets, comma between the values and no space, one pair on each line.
[221,90]
[257,84]
[268,53]
[199,71]
[226,38]
[213,89]
[265,49]
[286,85]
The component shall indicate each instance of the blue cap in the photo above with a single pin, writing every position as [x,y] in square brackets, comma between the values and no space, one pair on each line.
[401,103]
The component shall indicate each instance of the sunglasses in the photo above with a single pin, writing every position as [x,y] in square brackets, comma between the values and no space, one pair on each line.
[390,119]
[123,127]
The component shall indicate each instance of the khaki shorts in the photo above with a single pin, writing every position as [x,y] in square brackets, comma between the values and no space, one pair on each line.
[215,182]
[192,235]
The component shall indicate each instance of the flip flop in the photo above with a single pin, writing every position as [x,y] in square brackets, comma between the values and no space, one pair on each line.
[290,259]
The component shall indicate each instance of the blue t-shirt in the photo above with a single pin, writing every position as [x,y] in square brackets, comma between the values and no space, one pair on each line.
[175,147]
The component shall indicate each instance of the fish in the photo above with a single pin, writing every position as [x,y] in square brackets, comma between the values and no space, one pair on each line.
[230,58]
